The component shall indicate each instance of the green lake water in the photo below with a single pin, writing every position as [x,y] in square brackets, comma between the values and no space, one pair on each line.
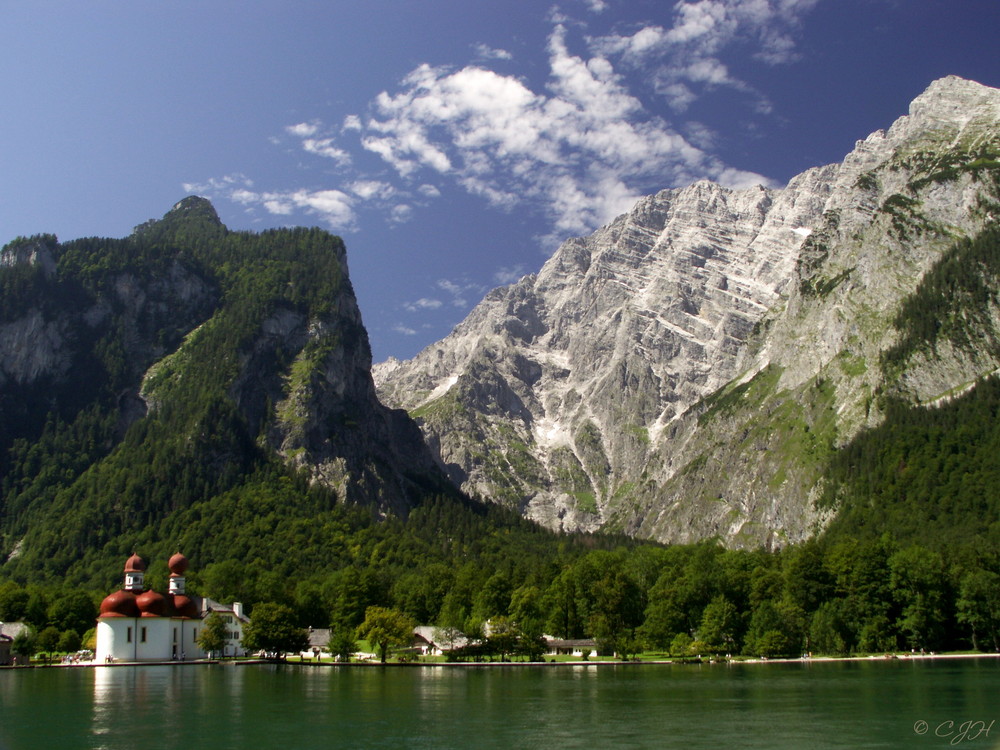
[805,706]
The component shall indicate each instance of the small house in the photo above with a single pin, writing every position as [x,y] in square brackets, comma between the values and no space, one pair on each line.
[582,647]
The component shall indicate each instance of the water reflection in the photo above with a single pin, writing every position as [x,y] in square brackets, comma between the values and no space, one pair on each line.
[104,705]
[298,708]
[131,701]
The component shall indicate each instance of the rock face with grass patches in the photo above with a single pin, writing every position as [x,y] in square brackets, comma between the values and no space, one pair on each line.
[685,371]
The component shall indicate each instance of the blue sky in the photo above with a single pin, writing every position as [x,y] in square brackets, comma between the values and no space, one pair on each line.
[453,144]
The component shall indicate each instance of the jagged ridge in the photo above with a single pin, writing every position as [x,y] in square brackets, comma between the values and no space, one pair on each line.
[582,394]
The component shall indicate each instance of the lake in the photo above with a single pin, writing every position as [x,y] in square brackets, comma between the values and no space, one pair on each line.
[905,703]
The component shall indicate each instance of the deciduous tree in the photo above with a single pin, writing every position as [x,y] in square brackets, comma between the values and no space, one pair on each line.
[212,636]
[386,629]
[272,629]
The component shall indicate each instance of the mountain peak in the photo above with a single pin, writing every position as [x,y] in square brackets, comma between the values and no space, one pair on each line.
[194,206]
[192,213]
[952,101]
[951,85]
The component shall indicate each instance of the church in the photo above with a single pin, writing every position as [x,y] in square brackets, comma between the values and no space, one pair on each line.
[136,625]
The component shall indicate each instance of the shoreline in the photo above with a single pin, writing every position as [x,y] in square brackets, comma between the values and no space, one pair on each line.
[899,656]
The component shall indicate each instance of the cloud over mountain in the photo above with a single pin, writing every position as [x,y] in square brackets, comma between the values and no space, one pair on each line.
[579,147]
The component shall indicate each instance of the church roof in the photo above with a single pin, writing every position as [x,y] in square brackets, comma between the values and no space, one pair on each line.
[177,564]
[119,604]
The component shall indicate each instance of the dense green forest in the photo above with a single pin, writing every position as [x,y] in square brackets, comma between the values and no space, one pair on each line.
[89,472]
[909,563]
[457,568]
[953,302]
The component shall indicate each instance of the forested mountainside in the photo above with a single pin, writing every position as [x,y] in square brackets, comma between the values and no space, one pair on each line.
[732,363]
[183,386]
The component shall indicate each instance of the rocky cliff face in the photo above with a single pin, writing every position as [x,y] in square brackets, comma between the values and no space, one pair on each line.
[231,349]
[685,371]
[326,416]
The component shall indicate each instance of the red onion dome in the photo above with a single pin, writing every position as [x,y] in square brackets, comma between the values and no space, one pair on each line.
[184,606]
[152,604]
[135,564]
[177,564]
[119,604]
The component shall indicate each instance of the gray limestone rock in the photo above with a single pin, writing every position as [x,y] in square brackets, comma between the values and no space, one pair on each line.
[683,372]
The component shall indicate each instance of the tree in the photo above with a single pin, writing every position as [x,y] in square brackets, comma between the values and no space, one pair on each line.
[526,610]
[352,590]
[719,624]
[385,629]
[69,641]
[24,644]
[73,610]
[681,645]
[13,602]
[452,615]
[48,640]
[272,629]
[918,582]
[36,611]
[213,635]
[564,618]
[664,618]
[493,598]
[772,631]
[504,637]
[616,612]
[979,607]
[342,644]
[807,582]
[828,631]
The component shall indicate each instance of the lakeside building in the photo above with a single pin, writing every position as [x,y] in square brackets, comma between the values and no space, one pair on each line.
[433,641]
[136,624]
[582,647]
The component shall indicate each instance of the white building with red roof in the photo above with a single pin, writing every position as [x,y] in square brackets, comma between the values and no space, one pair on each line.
[137,624]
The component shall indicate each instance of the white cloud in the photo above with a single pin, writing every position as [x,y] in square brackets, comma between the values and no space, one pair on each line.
[315,141]
[460,290]
[401,213]
[213,185]
[324,147]
[405,330]
[504,276]
[333,207]
[423,303]
[584,151]
[690,51]
[485,52]
[303,129]
[701,135]
[737,179]
[368,189]
[581,149]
